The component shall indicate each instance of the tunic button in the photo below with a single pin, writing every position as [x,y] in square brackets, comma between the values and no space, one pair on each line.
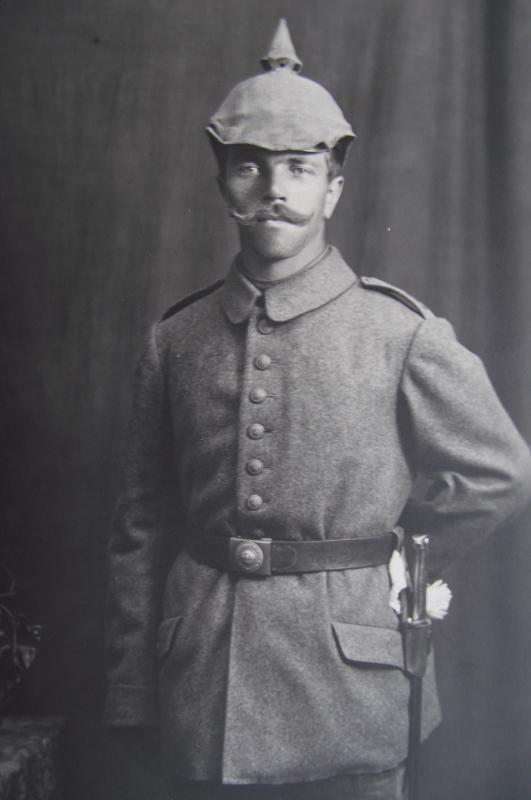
[255,466]
[254,502]
[257,395]
[255,431]
[264,325]
[263,361]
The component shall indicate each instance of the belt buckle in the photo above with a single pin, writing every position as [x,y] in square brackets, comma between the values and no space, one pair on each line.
[250,557]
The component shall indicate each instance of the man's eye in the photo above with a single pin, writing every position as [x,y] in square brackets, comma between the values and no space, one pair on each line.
[298,169]
[247,169]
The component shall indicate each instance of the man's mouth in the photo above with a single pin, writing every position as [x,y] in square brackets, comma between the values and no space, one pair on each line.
[269,216]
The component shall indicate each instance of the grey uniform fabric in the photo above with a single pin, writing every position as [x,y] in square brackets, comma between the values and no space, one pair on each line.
[293,677]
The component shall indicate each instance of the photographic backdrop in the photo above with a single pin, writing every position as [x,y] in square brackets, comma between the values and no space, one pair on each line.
[109,213]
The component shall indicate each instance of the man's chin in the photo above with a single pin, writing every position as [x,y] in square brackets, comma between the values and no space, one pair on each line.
[275,241]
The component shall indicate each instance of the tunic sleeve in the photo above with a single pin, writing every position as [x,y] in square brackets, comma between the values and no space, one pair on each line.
[474,465]
[136,550]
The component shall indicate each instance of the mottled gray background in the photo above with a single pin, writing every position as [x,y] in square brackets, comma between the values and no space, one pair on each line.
[109,213]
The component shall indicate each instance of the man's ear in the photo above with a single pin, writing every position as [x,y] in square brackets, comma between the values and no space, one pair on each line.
[333,193]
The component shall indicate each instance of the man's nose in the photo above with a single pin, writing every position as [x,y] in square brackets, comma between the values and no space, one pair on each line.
[275,187]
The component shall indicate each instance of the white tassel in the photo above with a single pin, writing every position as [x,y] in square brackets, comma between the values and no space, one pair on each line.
[438,593]
[398,578]
[438,597]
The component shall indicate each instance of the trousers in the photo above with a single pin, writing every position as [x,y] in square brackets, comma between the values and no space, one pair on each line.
[388,785]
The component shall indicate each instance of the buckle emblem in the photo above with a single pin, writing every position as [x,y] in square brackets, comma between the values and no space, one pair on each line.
[249,556]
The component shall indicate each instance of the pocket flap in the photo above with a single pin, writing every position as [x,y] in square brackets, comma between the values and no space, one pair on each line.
[166,636]
[368,645]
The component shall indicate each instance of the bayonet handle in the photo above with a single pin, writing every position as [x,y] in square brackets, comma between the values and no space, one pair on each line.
[420,548]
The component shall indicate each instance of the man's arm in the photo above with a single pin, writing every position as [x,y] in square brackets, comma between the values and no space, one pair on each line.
[137,549]
[476,467]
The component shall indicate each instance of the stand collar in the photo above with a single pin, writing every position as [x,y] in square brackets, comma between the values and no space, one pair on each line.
[304,291]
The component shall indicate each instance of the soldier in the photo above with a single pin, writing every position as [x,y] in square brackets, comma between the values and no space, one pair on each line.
[281,419]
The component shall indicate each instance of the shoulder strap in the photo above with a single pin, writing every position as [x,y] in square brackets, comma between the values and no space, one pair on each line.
[397,294]
[191,298]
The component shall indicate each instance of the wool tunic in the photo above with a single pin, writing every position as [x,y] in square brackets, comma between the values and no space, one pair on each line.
[304,413]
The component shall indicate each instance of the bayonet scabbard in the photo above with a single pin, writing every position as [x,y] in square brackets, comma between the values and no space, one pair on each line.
[417,626]
[417,636]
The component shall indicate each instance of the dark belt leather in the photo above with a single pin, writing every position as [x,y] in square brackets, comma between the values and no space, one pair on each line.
[271,557]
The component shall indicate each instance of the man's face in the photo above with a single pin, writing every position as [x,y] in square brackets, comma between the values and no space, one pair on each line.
[280,200]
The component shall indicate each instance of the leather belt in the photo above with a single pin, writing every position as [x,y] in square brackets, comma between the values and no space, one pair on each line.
[271,557]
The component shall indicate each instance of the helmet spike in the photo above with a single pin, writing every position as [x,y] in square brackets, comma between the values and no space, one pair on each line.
[281,54]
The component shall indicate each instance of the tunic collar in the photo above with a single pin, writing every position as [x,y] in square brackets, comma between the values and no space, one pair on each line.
[301,292]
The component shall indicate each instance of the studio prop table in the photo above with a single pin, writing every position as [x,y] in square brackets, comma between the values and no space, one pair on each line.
[30,758]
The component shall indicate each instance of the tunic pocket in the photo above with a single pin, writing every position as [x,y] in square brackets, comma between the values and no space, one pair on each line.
[166,637]
[364,644]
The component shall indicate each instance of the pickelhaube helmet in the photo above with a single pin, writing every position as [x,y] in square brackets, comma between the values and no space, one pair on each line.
[279,109]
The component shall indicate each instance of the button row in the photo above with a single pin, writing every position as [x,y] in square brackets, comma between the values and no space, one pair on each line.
[256,430]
